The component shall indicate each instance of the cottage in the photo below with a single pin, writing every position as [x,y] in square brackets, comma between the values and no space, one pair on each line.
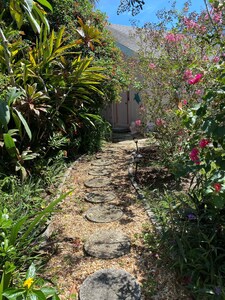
[122,114]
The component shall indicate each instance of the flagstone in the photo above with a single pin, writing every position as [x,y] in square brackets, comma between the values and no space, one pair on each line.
[104,213]
[99,172]
[100,196]
[97,182]
[107,244]
[110,284]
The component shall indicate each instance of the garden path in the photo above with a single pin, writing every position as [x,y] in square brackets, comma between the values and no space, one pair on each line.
[99,249]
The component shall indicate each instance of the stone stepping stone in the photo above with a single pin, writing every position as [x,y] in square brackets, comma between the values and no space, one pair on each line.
[107,244]
[99,172]
[102,162]
[110,284]
[100,197]
[97,182]
[103,213]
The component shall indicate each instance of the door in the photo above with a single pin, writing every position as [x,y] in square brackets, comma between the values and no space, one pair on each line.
[121,117]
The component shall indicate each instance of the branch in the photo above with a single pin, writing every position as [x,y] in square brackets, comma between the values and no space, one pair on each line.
[130,5]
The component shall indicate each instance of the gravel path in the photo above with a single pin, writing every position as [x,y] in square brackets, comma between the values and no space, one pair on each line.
[69,264]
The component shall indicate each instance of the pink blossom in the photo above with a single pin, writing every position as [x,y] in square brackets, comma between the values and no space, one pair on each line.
[138,122]
[203,29]
[198,92]
[194,156]
[152,66]
[190,24]
[174,37]
[184,102]
[216,59]
[159,122]
[205,58]
[195,79]
[188,74]
[217,187]
[203,143]
[217,17]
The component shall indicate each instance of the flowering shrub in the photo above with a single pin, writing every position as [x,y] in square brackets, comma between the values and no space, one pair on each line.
[183,95]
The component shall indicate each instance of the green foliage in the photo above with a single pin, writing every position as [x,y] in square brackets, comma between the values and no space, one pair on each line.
[184,97]
[194,244]
[88,27]
[16,237]
[94,131]
[32,10]
[32,288]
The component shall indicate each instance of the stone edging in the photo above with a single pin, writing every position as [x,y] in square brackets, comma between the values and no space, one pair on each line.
[141,196]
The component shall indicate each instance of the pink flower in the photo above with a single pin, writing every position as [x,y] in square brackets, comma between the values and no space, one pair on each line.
[138,123]
[216,59]
[152,66]
[217,17]
[195,79]
[190,24]
[194,156]
[188,74]
[205,58]
[159,122]
[174,37]
[217,187]
[203,29]
[184,102]
[203,143]
[198,92]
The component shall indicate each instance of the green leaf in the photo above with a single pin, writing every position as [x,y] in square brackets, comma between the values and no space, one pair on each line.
[16,12]
[2,285]
[29,4]
[13,94]
[31,272]
[36,27]
[12,293]
[218,202]
[17,123]
[31,296]
[10,145]
[48,291]
[39,294]
[59,37]
[37,219]
[55,297]
[15,230]
[4,114]
[24,123]
[41,16]
[45,3]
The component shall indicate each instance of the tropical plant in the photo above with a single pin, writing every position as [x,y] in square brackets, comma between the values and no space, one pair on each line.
[14,236]
[33,288]
[89,35]
[19,10]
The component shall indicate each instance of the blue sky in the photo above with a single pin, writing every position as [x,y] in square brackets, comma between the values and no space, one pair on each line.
[148,13]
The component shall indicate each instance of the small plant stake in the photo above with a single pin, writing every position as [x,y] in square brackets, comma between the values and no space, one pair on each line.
[136,157]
